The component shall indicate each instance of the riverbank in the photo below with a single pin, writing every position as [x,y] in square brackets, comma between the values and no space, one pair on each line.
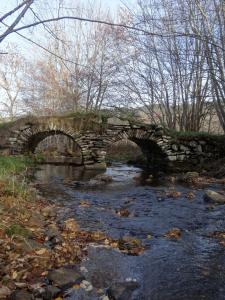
[45,240]
[38,253]
[31,241]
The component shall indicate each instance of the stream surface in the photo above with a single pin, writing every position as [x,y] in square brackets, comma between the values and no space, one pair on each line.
[190,268]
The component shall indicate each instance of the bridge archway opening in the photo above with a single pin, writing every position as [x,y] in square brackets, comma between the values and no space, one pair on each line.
[125,150]
[156,158]
[141,151]
[55,146]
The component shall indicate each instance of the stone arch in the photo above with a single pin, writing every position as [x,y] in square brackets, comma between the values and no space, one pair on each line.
[152,145]
[61,149]
[27,138]
[31,143]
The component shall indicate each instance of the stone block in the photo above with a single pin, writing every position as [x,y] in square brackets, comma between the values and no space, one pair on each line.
[117,121]
[172,157]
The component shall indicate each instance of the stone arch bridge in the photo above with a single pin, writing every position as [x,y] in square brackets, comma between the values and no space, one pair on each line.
[95,134]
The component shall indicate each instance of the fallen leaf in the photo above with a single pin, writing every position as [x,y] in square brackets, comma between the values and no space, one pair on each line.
[41,251]
[71,225]
[123,212]
[14,275]
[205,273]
[190,195]
[44,273]
[173,234]
[222,243]
[84,203]
[21,284]
[173,194]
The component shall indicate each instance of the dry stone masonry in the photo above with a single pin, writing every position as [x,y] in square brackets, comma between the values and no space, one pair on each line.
[94,135]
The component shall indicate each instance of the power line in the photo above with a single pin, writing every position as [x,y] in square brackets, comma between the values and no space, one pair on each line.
[47,50]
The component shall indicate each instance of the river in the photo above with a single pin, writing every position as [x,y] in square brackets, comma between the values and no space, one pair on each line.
[191,267]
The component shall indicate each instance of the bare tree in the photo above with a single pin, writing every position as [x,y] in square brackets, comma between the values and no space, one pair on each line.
[11,83]
[85,80]
[167,76]
[212,15]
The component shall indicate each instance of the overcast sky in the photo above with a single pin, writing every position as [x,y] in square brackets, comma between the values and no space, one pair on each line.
[24,46]
[112,4]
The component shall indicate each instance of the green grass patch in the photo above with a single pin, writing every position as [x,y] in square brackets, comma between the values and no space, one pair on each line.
[194,134]
[14,165]
[18,230]
[13,171]
[6,125]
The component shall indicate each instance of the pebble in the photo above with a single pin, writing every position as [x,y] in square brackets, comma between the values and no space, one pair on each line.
[83,269]
[86,285]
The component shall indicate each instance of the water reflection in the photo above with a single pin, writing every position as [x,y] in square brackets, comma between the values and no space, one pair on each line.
[187,269]
[120,173]
[51,172]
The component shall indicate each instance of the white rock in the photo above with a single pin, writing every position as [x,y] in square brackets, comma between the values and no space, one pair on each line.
[214,197]
[83,269]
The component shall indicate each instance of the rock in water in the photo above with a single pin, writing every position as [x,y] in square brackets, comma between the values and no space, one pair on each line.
[50,292]
[122,290]
[65,277]
[21,295]
[214,197]
[104,178]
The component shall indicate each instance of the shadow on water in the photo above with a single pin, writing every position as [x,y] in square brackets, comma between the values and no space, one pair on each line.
[189,268]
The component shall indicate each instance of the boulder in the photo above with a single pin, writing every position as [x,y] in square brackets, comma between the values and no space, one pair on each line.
[53,231]
[99,181]
[49,212]
[51,292]
[21,295]
[122,290]
[65,277]
[104,178]
[94,183]
[53,234]
[37,220]
[214,197]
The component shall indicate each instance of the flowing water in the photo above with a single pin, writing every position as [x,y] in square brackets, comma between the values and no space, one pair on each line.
[192,267]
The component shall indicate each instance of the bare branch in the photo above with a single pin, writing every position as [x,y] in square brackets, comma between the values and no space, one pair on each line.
[17,20]
[146,32]
[14,10]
